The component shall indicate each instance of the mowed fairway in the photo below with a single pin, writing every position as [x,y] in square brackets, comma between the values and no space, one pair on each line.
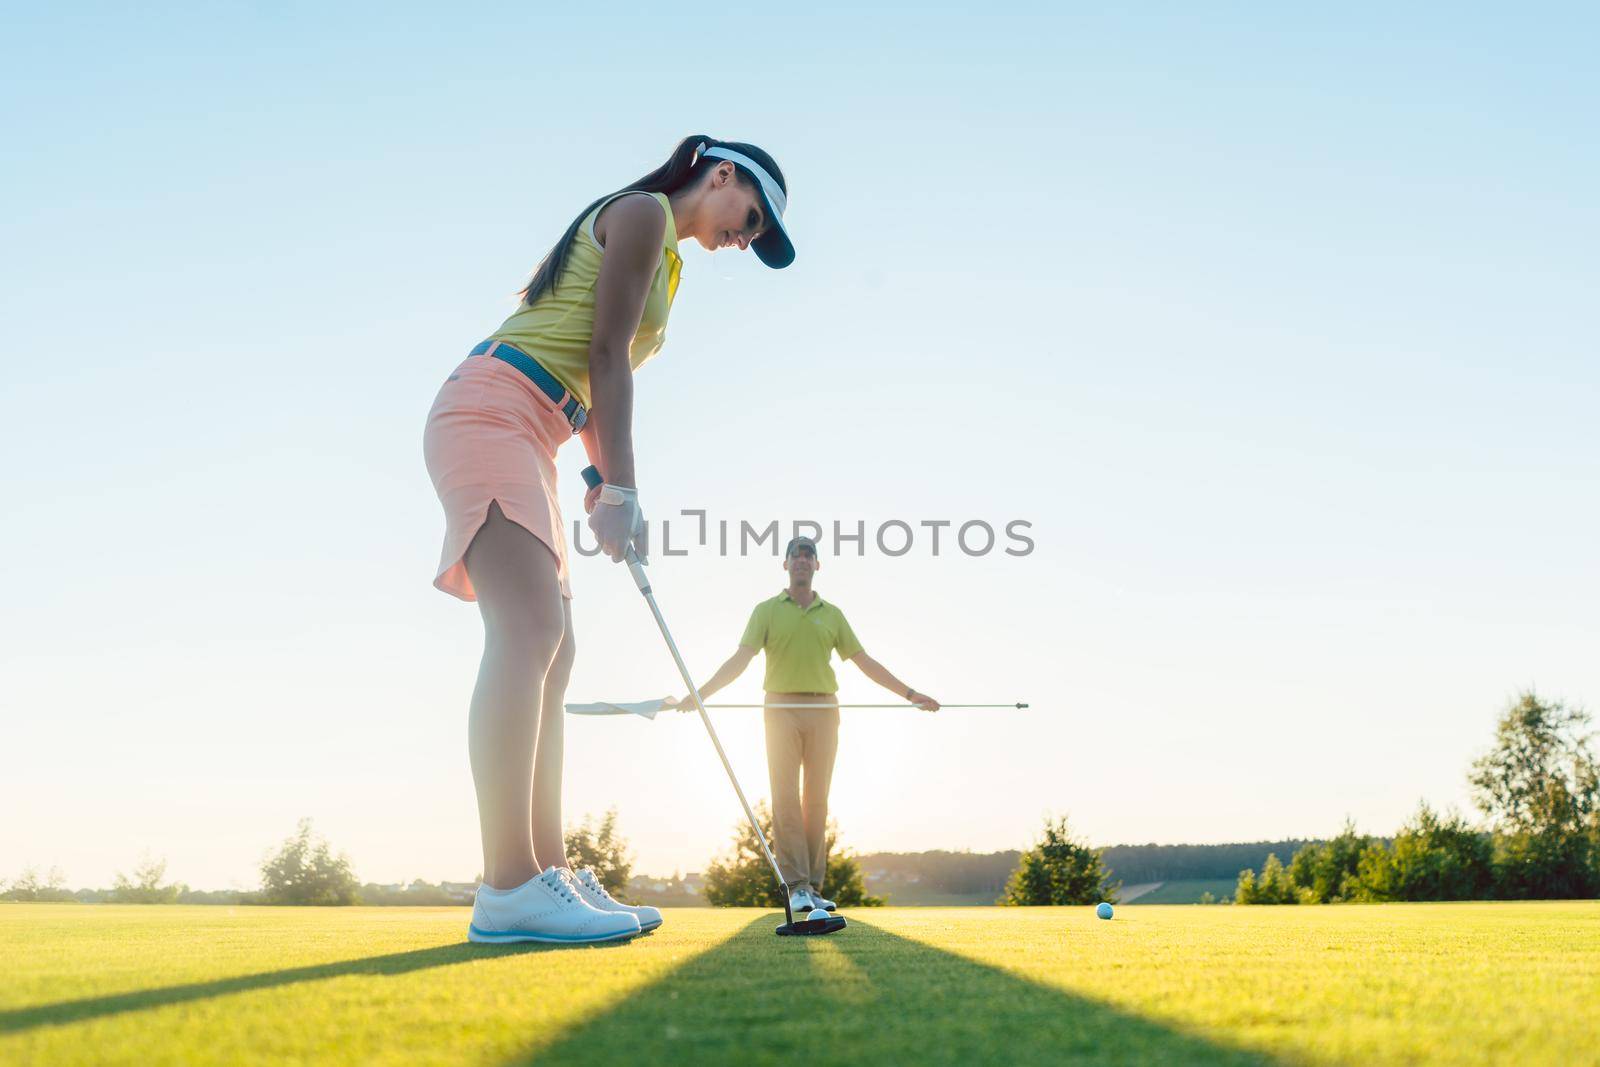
[1449,983]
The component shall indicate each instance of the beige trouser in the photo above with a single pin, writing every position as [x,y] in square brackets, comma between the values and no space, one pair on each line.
[799,739]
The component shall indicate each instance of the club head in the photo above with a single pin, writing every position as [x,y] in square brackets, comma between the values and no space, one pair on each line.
[812,927]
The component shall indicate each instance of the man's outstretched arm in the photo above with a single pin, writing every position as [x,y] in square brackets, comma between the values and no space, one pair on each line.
[881,674]
[725,675]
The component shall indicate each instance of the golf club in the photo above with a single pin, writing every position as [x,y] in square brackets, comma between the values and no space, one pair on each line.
[649,709]
[913,707]
[791,927]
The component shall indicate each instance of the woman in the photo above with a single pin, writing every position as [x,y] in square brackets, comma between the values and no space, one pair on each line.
[562,364]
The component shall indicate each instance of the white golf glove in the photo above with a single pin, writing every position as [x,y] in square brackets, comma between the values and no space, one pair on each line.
[617,521]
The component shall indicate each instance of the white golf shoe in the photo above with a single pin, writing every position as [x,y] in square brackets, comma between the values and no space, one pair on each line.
[800,901]
[595,895]
[550,909]
[820,901]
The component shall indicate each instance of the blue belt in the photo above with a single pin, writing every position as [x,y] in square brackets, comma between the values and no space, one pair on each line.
[535,373]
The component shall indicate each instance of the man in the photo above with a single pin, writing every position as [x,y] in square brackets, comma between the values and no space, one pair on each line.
[798,630]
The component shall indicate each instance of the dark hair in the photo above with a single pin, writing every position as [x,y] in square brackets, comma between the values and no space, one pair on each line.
[680,170]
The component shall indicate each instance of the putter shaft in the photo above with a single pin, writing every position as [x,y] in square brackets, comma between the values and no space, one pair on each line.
[643,582]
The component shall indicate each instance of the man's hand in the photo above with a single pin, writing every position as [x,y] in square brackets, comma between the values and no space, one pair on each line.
[685,703]
[923,701]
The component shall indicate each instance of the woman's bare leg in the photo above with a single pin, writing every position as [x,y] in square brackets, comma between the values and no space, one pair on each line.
[548,845]
[519,596]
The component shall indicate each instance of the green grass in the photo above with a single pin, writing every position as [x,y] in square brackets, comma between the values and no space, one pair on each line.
[1187,892]
[1461,983]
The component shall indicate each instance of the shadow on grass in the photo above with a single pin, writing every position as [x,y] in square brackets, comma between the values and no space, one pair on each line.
[866,996]
[71,1011]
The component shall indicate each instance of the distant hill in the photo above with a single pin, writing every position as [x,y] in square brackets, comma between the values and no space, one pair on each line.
[1134,864]
[938,878]
[1188,891]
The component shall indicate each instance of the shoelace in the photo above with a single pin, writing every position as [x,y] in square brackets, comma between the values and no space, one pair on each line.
[560,885]
[594,885]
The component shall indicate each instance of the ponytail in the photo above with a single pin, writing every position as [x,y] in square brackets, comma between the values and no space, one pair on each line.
[671,176]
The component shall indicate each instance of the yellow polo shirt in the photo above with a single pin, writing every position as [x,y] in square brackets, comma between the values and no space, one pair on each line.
[798,641]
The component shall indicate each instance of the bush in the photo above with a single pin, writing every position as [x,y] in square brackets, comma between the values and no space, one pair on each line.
[30,886]
[145,886]
[1546,866]
[1059,870]
[744,879]
[1303,867]
[1274,886]
[1432,858]
[305,871]
[1540,783]
[1329,869]
[602,848]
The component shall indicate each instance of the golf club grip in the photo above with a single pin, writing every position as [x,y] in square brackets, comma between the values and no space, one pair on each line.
[594,480]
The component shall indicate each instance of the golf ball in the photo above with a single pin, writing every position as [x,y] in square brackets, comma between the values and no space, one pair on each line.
[817,913]
[1103,910]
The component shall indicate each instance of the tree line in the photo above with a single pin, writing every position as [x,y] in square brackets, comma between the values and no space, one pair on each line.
[1538,789]
[973,873]
[304,870]
[301,870]
[1136,864]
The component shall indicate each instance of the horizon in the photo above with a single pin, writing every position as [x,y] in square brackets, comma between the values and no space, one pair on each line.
[687,873]
[1276,330]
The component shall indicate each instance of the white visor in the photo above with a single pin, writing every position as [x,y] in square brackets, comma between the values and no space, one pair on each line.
[773,247]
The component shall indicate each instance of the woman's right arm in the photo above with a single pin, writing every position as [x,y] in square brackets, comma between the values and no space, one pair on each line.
[631,233]
[725,674]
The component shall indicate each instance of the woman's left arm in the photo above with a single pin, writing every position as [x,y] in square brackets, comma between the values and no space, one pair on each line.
[634,228]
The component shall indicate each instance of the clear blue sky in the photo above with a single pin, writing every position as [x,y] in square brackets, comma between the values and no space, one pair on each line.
[1277,325]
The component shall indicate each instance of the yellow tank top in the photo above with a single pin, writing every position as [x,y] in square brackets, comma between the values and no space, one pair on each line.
[556,328]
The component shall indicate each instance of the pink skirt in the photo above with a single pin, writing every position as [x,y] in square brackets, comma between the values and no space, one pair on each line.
[492,437]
